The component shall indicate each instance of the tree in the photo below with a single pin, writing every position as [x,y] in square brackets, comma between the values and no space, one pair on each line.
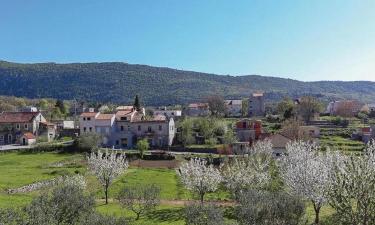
[292,129]
[66,205]
[216,105]
[199,177]
[140,199]
[352,194]
[137,104]
[307,173]
[199,214]
[106,167]
[285,108]
[142,146]
[88,142]
[308,106]
[229,137]
[262,208]
[60,104]
[245,107]
[250,171]
[186,135]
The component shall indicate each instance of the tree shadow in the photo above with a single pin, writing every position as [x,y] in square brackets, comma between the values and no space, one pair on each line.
[163,215]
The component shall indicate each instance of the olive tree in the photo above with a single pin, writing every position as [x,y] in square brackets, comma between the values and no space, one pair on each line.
[106,167]
[199,177]
[140,199]
[199,214]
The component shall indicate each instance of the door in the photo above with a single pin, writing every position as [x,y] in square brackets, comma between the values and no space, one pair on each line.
[23,141]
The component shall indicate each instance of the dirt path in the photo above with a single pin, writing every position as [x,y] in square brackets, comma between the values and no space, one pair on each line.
[185,202]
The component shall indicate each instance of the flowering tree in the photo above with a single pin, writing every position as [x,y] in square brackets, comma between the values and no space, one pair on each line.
[354,182]
[199,177]
[252,170]
[307,173]
[106,167]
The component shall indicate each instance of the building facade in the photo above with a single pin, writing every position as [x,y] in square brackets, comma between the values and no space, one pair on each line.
[123,129]
[233,108]
[256,105]
[13,125]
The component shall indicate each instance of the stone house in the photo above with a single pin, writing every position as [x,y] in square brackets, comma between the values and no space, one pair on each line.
[168,112]
[198,109]
[124,128]
[233,108]
[14,124]
[256,105]
[248,130]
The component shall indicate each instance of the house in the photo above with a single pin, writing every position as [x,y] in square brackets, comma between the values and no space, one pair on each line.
[198,109]
[233,108]
[168,112]
[64,124]
[14,124]
[279,143]
[256,105]
[47,130]
[345,108]
[248,130]
[27,139]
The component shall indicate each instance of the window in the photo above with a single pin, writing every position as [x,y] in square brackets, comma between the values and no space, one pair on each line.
[26,126]
[117,142]
[88,118]
[122,128]
[139,127]
[149,129]
[18,126]
[128,127]
[160,127]
[124,142]
[124,118]
[90,129]
[84,118]
[84,129]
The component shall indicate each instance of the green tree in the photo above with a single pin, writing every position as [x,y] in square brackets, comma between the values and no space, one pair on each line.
[60,104]
[216,105]
[142,146]
[285,108]
[307,107]
[137,104]
[186,135]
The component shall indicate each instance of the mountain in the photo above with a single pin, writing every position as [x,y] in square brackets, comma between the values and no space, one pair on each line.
[120,82]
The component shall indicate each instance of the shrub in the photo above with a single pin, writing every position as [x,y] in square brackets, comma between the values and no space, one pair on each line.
[199,214]
[263,208]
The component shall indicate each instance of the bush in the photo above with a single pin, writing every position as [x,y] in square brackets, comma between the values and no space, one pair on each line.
[263,208]
[199,214]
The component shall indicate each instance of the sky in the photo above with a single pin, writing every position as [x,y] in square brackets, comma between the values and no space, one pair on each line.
[306,40]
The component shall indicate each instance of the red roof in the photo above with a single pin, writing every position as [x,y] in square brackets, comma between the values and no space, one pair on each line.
[105,116]
[28,135]
[17,117]
[89,114]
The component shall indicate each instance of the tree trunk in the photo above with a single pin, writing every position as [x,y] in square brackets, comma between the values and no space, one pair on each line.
[317,211]
[106,195]
[202,198]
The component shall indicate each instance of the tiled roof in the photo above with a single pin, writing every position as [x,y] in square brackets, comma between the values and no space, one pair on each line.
[105,116]
[198,105]
[88,114]
[17,117]
[156,118]
[125,108]
[29,135]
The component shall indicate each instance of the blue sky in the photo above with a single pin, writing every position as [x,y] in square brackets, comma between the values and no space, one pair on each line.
[300,39]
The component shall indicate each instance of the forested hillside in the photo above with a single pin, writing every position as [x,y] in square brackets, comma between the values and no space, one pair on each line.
[120,82]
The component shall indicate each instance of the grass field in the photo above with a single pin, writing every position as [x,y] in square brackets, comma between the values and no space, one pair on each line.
[18,169]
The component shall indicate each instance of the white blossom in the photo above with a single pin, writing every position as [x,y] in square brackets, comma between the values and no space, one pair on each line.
[307,172]
[251,170]
[199,177]
[106,167]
